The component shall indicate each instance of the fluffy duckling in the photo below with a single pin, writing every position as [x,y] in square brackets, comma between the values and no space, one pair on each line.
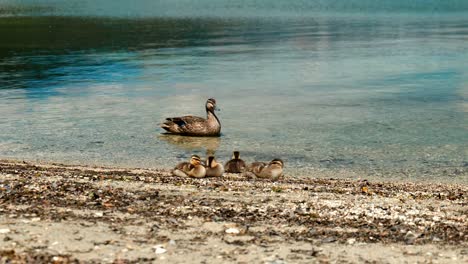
[194,125]
[213,168]
[235,165]
[194,168]
[272,170]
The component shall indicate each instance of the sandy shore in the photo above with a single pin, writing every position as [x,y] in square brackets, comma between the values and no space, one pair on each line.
[69,214]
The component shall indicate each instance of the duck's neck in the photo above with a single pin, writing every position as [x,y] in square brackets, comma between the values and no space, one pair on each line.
[212,164]
[210,116]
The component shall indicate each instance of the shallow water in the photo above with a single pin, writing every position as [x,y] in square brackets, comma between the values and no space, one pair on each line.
[383,91]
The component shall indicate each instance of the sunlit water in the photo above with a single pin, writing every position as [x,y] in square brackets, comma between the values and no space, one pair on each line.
[385,92]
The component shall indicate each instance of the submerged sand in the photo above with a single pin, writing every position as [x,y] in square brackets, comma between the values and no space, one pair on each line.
[75,214]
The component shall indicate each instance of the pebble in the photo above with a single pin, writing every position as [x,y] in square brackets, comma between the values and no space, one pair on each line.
[159,249]
[99,214]
[232,230]
[5,231]
[410,237]
[58,259]
[329,240]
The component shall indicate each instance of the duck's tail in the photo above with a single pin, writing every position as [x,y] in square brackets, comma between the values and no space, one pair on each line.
[165,126]
[170,127]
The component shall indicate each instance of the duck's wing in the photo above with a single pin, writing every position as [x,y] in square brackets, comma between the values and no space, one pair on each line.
[176,120]
[241,165]
[182,124]
[181,169]
[257,167]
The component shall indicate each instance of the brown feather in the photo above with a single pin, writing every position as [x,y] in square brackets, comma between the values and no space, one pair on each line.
[194,125]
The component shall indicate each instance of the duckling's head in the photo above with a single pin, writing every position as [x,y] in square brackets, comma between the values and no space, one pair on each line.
[236,155]
[195,160]
[211,104]
[211,161]
[278,162]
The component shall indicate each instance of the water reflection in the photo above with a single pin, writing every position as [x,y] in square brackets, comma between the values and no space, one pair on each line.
[193,144]
[359,91]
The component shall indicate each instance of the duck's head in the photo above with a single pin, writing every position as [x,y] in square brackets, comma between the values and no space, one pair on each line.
[278,162]
[236,154]
[211,161]
[195,160]
[211,105]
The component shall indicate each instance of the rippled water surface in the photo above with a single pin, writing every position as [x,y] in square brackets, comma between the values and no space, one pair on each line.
[383,92]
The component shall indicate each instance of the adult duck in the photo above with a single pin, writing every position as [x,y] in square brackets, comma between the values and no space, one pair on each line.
[194,125]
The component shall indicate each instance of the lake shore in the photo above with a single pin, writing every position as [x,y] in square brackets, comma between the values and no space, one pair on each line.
[72,214]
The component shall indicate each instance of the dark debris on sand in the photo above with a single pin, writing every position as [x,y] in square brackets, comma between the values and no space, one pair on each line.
[316,210]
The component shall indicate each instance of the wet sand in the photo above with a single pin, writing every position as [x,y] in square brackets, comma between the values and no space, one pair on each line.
[75,214]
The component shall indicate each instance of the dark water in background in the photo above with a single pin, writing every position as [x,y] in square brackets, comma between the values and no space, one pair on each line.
[367,86]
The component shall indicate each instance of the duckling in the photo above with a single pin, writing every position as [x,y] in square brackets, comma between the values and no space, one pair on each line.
[272,170]
[213,168]
[194,125]
[235,165]
[194,168]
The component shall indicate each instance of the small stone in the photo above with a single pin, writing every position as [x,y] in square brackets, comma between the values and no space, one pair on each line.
[159,249]
[99,214]
[329,240]
[351,241]
[410,237]
[238,240]
[5,231]
[58,259]
[232,230]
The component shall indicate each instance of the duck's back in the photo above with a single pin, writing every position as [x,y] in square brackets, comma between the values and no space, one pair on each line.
[257,167]
[184,166]
[235,166]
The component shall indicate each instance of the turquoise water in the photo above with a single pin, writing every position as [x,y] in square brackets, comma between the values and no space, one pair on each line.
[378,87]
